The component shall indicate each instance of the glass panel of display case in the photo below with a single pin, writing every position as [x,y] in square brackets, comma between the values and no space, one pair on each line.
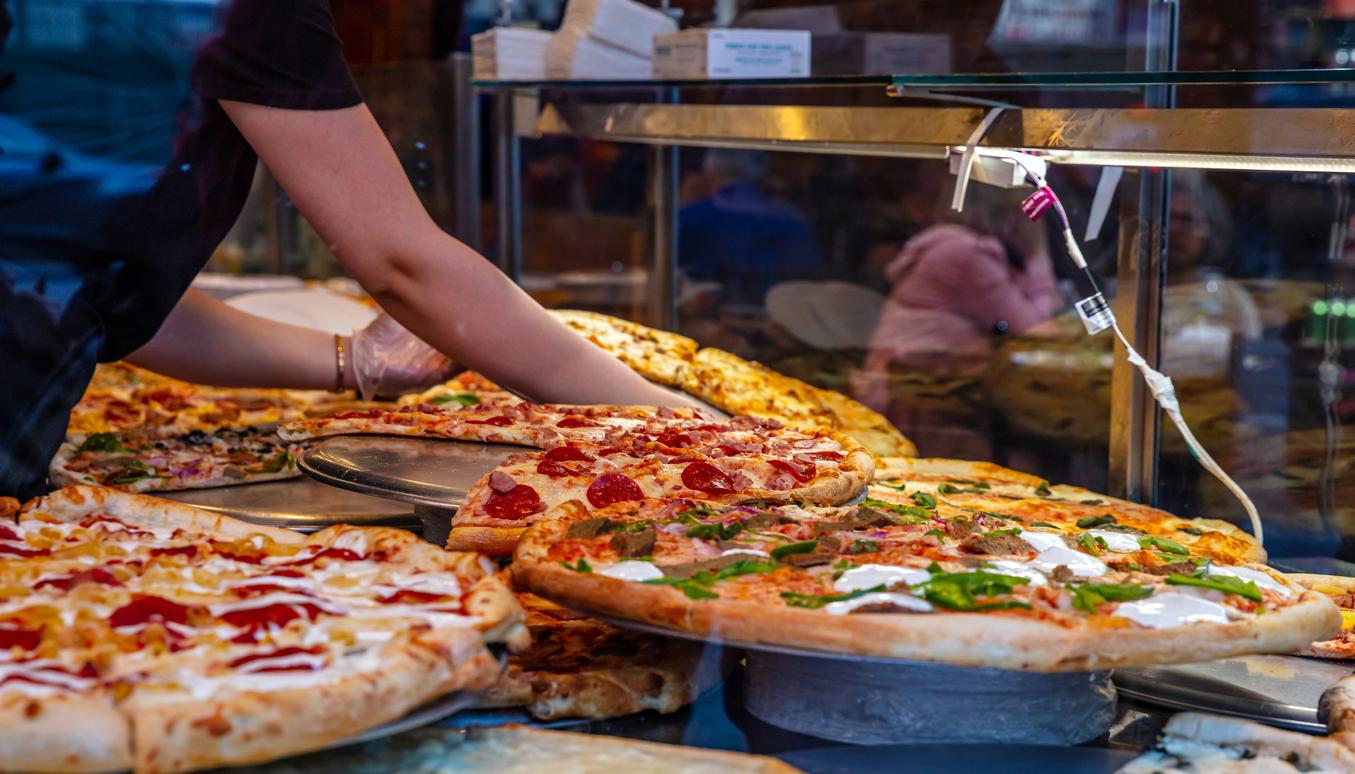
[1257,330]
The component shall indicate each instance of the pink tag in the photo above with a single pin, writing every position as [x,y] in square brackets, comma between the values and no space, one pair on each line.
[1035,205]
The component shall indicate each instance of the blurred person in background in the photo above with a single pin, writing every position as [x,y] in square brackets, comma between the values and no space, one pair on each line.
[973,275]
[740,236]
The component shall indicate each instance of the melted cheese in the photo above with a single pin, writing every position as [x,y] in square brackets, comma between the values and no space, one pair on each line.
[868,576]
[1041,541]
[1119,542]
[1080,564]
[632,571]
[905,601]
[1171,609]
[1019,569]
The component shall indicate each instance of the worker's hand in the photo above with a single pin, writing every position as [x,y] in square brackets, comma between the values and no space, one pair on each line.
[389,361]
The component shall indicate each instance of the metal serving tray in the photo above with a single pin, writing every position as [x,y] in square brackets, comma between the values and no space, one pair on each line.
[422,471]
[300,504]
[1277,690]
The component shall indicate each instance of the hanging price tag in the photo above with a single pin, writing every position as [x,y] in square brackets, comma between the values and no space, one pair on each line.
[1095,313]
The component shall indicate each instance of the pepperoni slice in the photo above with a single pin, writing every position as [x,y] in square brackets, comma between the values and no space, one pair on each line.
[149,609]
[800,471]
[676,440]
[555,462]
[575,420]
[499,421]
[705,477]
[517,503]
[613,488]
[19,637]
[93,575]
[565,453]
[558,469]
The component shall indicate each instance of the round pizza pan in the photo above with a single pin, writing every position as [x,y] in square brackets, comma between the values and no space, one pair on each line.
[420,471]
[950,758]
[300,504]
[1280,691]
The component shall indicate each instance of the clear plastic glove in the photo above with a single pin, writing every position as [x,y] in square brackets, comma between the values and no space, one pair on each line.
[388,361]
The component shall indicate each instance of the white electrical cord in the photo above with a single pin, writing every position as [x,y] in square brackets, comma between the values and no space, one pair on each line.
[1159,384]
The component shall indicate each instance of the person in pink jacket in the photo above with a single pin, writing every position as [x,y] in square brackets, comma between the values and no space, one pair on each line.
[953,287]
[960,283]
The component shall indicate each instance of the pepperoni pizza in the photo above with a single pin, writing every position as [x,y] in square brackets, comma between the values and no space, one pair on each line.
[731,461]
[139,633]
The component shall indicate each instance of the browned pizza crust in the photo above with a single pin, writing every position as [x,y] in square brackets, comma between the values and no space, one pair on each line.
[491,541]
[1227,538]
[966,639]
[36,734]
[578,666]
[179,732]
[202,722]
[1199,742]
[74,503]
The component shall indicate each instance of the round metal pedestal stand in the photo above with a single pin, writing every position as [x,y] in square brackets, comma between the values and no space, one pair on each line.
[869,701]
[300,504]
[432,475]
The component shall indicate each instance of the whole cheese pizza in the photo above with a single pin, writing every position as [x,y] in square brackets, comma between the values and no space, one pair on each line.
[932,580]
[139,633]
[580,667]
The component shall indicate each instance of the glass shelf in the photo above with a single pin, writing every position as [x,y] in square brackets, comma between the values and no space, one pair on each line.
[830,81]
[1086,80]
[965,81]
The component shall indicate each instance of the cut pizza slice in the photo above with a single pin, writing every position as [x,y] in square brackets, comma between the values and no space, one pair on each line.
[657,355]
[992,493]
[1341,590]
[1195,743]
[911,582]
[221,642]
[578,666]
[738,460]
[138,462]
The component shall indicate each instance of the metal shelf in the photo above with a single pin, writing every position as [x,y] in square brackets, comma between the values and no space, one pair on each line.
[1297,140]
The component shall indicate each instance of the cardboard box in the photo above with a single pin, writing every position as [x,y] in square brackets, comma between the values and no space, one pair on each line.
[732,53]
[881,53]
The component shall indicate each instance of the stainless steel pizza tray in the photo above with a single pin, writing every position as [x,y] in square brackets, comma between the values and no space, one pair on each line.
[429,472]
[1277,690]
[300,504]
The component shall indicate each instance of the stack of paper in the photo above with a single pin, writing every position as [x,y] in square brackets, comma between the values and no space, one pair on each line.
[510,54]
[606,40]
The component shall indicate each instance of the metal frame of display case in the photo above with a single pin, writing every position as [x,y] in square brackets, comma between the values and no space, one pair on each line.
[1148,142]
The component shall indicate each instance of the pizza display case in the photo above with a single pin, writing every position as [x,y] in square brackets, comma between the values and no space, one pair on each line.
[1259,362]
